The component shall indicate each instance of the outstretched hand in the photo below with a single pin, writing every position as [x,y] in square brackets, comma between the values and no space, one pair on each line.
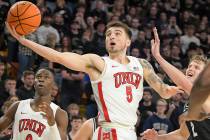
[155,43]
[13,32]
[173,90]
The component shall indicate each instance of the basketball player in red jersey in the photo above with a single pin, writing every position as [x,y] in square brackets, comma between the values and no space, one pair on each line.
[38,118]
[117,80]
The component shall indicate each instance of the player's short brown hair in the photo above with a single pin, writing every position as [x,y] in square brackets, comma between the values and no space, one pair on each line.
[121,25]
[28,72]
[199,58]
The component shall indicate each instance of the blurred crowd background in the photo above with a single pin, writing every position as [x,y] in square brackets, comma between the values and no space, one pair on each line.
[78,26]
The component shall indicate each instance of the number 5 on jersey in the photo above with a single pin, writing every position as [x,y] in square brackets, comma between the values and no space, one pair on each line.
[29,137]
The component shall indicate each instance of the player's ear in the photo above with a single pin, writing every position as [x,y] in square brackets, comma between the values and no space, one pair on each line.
[128,42]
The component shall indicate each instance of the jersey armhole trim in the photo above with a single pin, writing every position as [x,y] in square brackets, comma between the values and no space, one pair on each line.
[102,74]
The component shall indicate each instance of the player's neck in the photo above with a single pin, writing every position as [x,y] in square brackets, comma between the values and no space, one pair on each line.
[39,99]
[120,58]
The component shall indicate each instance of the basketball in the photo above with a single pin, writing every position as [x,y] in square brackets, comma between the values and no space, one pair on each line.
[24,16]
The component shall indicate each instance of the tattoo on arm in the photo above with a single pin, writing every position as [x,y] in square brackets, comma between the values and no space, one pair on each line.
[150,76]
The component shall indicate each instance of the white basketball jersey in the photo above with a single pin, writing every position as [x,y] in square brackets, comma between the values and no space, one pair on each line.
[118,91]
[30,125]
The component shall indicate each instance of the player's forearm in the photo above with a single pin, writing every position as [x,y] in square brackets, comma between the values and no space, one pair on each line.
[162,90]
[153,80]
[4,123]
[176,75]
[70,60]
[43,51]
[175,135]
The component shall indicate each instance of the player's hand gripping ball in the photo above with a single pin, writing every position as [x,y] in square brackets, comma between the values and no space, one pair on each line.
[24,16]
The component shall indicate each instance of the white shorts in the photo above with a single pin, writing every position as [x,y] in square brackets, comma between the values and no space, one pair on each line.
[105,133]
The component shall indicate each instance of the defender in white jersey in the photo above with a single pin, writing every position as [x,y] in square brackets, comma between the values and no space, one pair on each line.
[117,91]
[38,118]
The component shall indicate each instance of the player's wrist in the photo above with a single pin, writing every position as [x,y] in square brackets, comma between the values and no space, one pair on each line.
[157,55]
[21,39]
[53,126]
[51,122]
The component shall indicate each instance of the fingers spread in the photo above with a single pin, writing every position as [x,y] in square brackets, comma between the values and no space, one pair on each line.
[156,35]
[152,42]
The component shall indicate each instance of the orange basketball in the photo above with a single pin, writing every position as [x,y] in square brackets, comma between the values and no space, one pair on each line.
[24,16]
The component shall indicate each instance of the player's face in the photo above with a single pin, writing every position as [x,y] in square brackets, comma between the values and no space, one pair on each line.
[43,82]
[194,69]
[116,40]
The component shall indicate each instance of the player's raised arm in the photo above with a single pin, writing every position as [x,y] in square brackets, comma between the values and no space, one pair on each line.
[199,98]
[164,90]
[7,119]
[71,60]
[175,74]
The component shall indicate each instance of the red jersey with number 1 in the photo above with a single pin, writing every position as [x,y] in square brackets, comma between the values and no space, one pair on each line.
[118,91]
[30,125]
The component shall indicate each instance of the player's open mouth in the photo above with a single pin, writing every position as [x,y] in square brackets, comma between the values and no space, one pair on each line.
[189,74]
[112,43]
[40,85]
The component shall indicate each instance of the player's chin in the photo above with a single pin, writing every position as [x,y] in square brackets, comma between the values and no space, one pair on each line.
[112,50]
[42,90]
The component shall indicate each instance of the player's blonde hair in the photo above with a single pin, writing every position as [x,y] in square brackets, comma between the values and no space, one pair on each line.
[199,58]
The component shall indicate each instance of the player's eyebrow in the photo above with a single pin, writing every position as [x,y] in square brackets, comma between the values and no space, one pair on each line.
[116,30]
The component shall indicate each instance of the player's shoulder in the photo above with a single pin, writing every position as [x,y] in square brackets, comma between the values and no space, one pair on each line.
[61,116]
[92,56]
[142,60]
[60,112]
[145,64]
[16,104]
[13,108]
[89,123]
